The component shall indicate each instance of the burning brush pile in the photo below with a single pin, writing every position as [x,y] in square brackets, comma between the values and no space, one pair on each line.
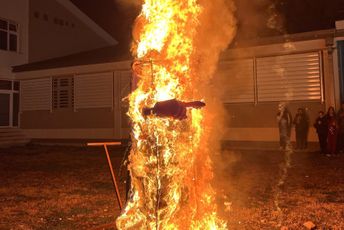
[176,47]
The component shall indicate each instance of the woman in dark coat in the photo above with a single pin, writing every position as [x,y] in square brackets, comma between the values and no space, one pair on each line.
[320,125]
[332,131]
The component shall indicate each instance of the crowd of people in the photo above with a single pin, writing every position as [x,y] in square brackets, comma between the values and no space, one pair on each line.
[329,127]
[330,130]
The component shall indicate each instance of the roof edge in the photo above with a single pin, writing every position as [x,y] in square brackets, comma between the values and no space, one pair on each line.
[308,35]
[88,21]
[77,69]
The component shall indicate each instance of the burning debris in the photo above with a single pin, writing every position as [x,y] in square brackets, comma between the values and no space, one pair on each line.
[170,162]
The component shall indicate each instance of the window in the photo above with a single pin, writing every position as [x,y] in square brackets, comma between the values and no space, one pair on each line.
[63,92]
[9,103]
[93,90]
[294,77]
[237,77]
[36,94]
[5,85]
[8,35]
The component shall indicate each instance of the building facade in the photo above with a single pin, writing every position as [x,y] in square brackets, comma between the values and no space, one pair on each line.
[58,28]
[304,70]
[14,47]
[75,97]
[35,30]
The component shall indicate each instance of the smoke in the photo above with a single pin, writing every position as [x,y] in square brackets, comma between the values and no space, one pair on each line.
[275,20]
[220,22]
[217,29]
[254,19]
[258,18]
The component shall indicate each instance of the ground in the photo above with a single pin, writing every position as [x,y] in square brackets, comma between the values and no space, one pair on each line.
[71,188]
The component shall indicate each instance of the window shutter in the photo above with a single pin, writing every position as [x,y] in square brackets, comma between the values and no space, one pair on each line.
[63,92]
[289,77]
[55,99]
[237,77]
[35,94]
[94,90]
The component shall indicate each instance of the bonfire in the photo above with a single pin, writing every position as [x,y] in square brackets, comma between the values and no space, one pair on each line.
[170,161]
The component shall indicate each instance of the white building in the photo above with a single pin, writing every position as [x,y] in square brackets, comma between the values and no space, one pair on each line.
[35,30]
[76,97]
[305,70]
[79,96]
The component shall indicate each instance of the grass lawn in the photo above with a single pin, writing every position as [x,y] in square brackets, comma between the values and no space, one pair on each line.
[57,187]
[54,187]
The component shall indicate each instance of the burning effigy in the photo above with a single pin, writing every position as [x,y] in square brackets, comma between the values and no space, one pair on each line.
[176,47]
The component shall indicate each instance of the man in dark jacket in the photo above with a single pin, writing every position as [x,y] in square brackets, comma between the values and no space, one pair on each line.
[301,123]
[321,127]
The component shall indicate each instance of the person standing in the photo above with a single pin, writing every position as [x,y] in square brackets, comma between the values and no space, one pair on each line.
[320,125]
[301,128]
[284,120]
[340,138]
[332,131]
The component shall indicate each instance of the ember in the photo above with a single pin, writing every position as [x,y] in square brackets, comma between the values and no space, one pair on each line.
[170,161]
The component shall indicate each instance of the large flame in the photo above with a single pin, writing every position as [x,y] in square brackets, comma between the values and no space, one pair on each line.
[170,170]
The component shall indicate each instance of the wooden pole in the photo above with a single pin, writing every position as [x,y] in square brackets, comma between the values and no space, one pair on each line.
[113,177]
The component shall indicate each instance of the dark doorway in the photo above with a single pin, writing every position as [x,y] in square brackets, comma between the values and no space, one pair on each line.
[15,114]
[4,109]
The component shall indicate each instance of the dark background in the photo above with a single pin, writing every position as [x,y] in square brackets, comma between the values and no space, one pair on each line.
[295,16]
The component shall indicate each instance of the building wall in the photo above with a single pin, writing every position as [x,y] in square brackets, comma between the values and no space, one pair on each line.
[16,11]
[257,121]
[254,122]
[68,119]
[54,31]
[249,122]
[104,117]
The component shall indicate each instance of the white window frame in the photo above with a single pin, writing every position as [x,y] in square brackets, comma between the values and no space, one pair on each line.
[70,88]
[11,93]
[9,33]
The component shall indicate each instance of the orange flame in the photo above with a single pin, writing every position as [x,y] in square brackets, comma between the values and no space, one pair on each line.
[170,171]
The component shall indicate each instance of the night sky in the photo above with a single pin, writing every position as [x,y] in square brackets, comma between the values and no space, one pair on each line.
[296,16]
[115,19]
[306,15]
